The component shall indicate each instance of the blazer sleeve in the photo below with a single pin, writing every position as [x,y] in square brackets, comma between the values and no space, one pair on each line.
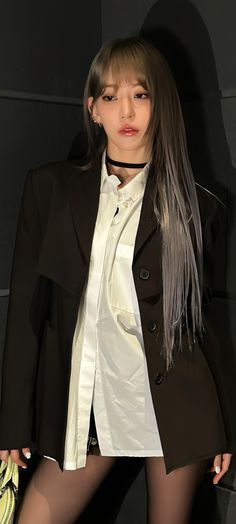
[217,347]
[21,338]
[211,230]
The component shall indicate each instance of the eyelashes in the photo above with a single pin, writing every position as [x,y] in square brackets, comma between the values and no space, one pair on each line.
[142,96]
[108,98]
[137,96]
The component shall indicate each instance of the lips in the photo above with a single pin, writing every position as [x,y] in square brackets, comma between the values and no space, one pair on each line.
[128,131]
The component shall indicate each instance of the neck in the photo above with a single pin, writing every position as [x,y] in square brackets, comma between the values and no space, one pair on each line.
[123,173]
[140,155]
[126,165]
[121,163]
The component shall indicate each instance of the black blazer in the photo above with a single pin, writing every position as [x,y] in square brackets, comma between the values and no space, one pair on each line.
[50,266]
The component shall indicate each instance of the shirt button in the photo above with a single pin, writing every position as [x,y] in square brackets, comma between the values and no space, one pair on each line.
[94,441]
[159,379]
[144,273]
[152,326]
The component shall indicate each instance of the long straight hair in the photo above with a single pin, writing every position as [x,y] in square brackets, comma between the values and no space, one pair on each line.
[175,200]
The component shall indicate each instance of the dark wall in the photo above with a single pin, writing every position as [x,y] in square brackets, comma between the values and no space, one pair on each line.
[43,70]
[45,52]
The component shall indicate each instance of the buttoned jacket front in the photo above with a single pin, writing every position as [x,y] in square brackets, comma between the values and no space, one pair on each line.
[49,272]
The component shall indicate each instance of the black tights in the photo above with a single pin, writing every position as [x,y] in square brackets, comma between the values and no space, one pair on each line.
[56,497]
[170,497]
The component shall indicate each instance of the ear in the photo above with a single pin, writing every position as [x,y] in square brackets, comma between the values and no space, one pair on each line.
[90,104]
[92,108]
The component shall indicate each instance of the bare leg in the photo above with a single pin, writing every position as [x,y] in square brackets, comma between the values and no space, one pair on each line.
[170,497]
[56,497]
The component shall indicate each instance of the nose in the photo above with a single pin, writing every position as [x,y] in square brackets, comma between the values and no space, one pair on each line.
[126,108]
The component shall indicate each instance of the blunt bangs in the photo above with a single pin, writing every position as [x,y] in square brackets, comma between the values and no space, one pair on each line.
[122,63]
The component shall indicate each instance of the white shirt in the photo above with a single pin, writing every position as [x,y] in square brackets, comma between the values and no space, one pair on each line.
[108,359]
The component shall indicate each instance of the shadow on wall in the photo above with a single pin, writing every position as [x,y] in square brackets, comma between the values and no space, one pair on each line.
[177,30]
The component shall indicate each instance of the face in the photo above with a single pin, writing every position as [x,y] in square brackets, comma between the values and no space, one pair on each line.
[124,112]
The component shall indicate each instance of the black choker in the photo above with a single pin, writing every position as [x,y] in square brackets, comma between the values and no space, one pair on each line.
[124,164]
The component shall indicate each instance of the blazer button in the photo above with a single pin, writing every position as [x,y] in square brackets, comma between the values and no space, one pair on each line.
[152,326]
[144,273]
[159,379]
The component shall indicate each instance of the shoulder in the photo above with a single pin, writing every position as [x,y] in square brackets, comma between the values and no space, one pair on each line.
[50,173]
[49,183]
[212,212]
[53,178]
[210,206]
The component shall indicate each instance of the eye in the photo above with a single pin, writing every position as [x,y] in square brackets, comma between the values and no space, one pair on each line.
[141,95]
[108,98]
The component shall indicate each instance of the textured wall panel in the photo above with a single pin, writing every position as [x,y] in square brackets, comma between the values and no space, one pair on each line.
[31,133]
[183,18]
[45,47]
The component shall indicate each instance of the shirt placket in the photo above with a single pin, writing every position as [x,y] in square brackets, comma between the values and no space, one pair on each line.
[108,205]
[124,202]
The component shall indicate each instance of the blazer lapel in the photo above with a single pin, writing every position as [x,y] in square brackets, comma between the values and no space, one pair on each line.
[148,222]
[83,192]
[67,240]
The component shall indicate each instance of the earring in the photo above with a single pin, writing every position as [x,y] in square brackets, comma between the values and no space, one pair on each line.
[95,122]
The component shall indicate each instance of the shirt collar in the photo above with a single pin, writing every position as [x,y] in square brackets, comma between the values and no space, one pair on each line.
[133,190]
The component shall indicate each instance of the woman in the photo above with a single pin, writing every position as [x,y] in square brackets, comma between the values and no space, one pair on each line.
[108,305]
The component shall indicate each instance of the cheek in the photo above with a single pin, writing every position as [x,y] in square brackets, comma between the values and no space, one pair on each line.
[148,112]
[145,113]
[148,120]
[109,120]
[108,127]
